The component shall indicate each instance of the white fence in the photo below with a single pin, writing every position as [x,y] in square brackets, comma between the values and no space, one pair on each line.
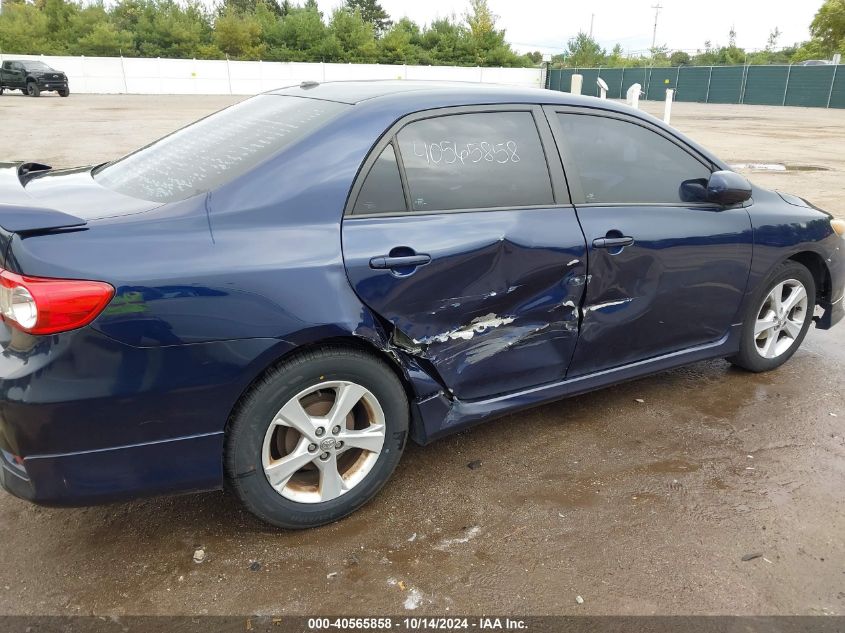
[117,75]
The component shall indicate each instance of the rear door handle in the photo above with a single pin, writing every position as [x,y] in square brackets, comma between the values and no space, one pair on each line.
[612,242]
[407,261]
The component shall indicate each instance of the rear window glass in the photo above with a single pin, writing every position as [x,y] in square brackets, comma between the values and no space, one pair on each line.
[217,149]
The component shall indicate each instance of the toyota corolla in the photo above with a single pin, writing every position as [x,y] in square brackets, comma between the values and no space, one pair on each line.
[277,297]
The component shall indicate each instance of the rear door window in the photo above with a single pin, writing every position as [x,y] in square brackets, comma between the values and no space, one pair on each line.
[475,161]
[621,162]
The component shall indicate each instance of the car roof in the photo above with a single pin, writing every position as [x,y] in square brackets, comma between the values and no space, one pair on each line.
[410,91]
[401,97]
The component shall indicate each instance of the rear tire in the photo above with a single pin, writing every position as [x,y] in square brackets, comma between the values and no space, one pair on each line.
[32,89]
[776,322]
[289,462]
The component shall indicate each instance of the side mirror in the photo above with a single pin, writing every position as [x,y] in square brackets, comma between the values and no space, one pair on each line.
[728,188]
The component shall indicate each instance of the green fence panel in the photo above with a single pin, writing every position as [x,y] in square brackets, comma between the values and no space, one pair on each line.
[766,85]
[660,81]
[634,76]
[692,84]
[589,87]
[837,94]
[805,86]
[726,84]
[561,80]
[613,78]
[809,86]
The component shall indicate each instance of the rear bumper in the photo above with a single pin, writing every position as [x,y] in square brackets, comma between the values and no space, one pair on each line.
[189,464]
[85,419]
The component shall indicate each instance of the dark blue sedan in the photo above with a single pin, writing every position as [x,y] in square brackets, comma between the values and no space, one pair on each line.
[276,298]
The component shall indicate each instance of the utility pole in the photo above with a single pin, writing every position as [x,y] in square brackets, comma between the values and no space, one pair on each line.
[592,20]
[656,8]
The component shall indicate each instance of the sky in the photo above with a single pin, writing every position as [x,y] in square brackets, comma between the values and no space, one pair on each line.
[546,25]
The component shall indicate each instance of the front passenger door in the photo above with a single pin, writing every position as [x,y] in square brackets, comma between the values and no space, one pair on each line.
[664,274]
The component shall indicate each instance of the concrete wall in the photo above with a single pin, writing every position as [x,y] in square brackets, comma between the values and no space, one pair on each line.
[116,75]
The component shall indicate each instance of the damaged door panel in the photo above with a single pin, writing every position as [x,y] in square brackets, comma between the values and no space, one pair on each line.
[497,307]
[666,273]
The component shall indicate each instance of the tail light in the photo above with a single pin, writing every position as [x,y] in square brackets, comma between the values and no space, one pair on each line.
[38,305]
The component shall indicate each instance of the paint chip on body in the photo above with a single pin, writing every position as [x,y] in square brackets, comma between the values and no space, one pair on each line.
[479,325]
[608,304]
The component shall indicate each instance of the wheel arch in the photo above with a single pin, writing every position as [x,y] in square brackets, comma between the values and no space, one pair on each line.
[393,359]
[815,263]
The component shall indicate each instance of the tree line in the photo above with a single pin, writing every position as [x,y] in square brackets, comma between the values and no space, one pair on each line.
[827,37]
[271,30]
[358,31]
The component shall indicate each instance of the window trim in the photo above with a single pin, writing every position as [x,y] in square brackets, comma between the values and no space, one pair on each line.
[571,171]
[554,170]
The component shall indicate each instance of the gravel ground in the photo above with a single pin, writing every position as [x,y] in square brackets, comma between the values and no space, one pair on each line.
[643,498]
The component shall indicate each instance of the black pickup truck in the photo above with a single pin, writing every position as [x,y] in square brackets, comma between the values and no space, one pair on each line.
[32,78]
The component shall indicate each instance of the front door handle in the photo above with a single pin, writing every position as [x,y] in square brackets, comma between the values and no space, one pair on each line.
[612,242]
[405,261]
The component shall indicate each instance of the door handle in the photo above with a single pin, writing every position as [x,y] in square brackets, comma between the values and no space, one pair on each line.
[405,261]
[612,242]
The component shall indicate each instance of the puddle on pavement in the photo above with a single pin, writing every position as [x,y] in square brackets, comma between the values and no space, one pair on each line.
[646,497]
[669,466]
[718,484]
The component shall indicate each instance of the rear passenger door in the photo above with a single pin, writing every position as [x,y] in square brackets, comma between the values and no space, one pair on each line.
[458,234]
[666,273]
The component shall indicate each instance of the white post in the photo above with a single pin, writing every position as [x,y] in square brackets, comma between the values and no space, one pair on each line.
[667,109]
[576,84]
[633,95]
[602,84]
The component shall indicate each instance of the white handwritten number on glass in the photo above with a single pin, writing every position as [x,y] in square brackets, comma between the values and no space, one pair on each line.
[450,153]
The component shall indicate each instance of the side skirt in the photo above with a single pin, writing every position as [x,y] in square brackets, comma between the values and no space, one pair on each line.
[441,416]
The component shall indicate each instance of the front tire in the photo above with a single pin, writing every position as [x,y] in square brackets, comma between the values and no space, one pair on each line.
[64,92]
[32,89]
[316,438]
[777,321]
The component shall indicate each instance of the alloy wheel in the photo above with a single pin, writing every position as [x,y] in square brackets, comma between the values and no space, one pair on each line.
[323,442]
[780,318]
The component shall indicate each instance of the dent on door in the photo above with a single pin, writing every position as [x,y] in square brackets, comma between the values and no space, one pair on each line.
[497,307]
[678,284]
